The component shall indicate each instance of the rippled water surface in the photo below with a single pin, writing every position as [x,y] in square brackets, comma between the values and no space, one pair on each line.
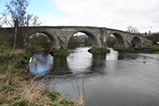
[115,79]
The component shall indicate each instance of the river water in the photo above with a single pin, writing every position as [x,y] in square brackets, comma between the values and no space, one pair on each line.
[115,79]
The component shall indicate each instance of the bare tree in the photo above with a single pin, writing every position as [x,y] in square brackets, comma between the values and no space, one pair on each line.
[7,37]
[16,9]
[30,21]
[132,29]
[18,17]
[5,21]
[36,21]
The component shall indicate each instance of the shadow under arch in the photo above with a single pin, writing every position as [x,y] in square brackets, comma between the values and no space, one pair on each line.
[90,35]
[119,39]
[136,42]
[51,37]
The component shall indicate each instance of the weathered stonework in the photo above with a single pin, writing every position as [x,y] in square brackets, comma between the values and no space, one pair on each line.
[60,35]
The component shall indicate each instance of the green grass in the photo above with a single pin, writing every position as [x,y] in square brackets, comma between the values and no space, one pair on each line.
[16,86]
[99,50]
[65,102]
[154,47]
[23,103]
[62,52]
[55,96]
[3,99]
[20,62]
[6,49]
[52,95]
[147,49]
[6,89]
[36,49]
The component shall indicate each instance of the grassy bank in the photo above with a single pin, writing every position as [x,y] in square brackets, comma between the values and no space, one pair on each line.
[147,49]
[19,88]
[151,48]
[60,52]
[45,49]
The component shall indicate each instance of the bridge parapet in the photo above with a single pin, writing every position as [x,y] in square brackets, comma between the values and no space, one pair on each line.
[61,35]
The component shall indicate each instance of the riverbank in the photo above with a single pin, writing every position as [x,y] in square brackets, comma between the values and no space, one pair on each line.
[18,87]
[147,49]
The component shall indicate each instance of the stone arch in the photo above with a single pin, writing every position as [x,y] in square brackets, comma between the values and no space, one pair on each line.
[136,42]
[119,38]
[51,37]
[111,41]
[90,35]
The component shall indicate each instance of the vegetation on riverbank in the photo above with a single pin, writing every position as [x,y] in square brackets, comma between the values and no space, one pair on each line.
[5,49]
[152,47]
[125,49]
[147,49]
[60,52]
[19,88]
[99,50]
[46,48]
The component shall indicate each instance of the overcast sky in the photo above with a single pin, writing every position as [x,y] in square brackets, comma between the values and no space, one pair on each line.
[116,14]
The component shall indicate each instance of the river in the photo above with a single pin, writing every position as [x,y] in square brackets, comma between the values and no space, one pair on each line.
[115,79]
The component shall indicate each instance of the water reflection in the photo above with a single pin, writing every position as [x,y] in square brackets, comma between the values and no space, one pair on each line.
[115,79]
[79,60]
[40,64]
[98,65]
[98,60]
[127,56]
[113,55]
[60,66]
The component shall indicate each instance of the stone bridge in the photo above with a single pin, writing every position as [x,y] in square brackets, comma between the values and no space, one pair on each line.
[61,35]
